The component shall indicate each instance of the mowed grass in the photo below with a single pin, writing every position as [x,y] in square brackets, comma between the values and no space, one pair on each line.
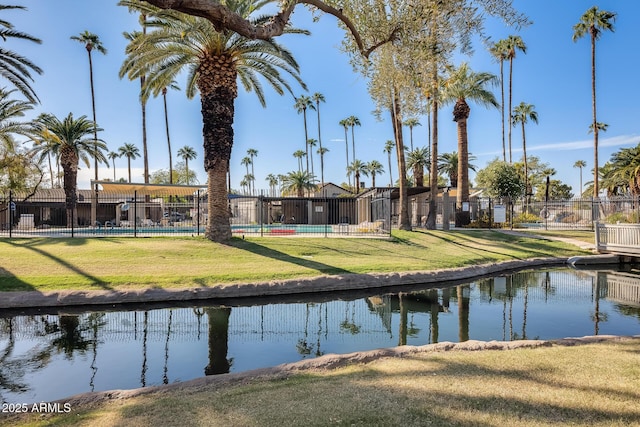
[121,263]
[585,385]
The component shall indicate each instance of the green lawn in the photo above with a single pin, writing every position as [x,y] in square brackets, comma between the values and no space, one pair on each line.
[124,263]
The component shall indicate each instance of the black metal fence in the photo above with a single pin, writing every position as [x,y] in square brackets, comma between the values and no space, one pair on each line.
[101,214]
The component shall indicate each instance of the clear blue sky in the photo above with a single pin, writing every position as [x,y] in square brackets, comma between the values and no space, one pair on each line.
[554,75]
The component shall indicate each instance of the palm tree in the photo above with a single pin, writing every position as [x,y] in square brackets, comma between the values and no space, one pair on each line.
[298,182]
[248,180]
[512,44]
[163,90]
[353,122]
[187,153]
[499,51]
[521,114]
[252,152]
[580,164]
[311,143]
[299,154]
[322,151]
[417,160]
[465,84]
[273,183]
[358,168]
[593,22]
[16,68]
[345,124]
[303,102]
[130,151]
[389,146]
[113,156]
[374,168]
[215,61]
[74,144]
[91,41]
[318,98]
[448,164]
[411,123]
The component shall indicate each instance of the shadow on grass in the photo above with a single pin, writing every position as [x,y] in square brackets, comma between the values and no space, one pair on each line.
[281,256]
[9,282]
[509,243]
[34,245]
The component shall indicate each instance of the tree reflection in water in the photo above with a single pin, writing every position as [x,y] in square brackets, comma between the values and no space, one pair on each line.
[218,340]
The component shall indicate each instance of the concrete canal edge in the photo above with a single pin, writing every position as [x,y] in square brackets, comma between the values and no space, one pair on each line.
[325,283]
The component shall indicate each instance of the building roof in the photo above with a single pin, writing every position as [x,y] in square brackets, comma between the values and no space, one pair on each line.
[149,189]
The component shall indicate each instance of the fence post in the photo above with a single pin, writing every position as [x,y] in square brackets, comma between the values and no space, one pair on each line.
[261,214]
[11,213]
[135,213]
[199,214]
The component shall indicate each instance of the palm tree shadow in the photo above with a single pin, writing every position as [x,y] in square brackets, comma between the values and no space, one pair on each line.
[281,256]
[33,246]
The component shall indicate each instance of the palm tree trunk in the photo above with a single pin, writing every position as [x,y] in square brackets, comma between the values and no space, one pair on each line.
[145,153]
[320,147]
[129,167]
[217,93]
[346,143]
[404,222]
[166,125]
[433,181]
[70,169]
[510,98]
[186,167]
[526,171]
[596,188]
[94,214]
[461,113]
[504,152]
[306,137]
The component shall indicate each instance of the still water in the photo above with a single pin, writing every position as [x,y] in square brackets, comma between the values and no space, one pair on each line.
[52,355]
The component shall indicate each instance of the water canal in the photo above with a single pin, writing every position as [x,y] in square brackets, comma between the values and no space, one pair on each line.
[52,355]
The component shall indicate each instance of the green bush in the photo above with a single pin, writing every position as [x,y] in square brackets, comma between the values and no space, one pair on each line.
[526,217]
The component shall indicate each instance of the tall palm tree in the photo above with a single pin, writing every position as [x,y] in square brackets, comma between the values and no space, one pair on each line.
[417,160]
[389,147]
[246,161]
[215,61]
[499,51]
[465,84]
[580,164]
[411,123]
[74,144]
[345,124]
[252,152]
[311,143]
[130,151]
[521,114]
[113,156]
[318,98]
[448,164]
[91,41]
[374,168]
[272,180]
[304,103]
[593,22]
[322,151]
[16,68]
[298,182]
[512,44]
[353,122]
[358,168]
[163,91]
[187,153]
[299,154]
